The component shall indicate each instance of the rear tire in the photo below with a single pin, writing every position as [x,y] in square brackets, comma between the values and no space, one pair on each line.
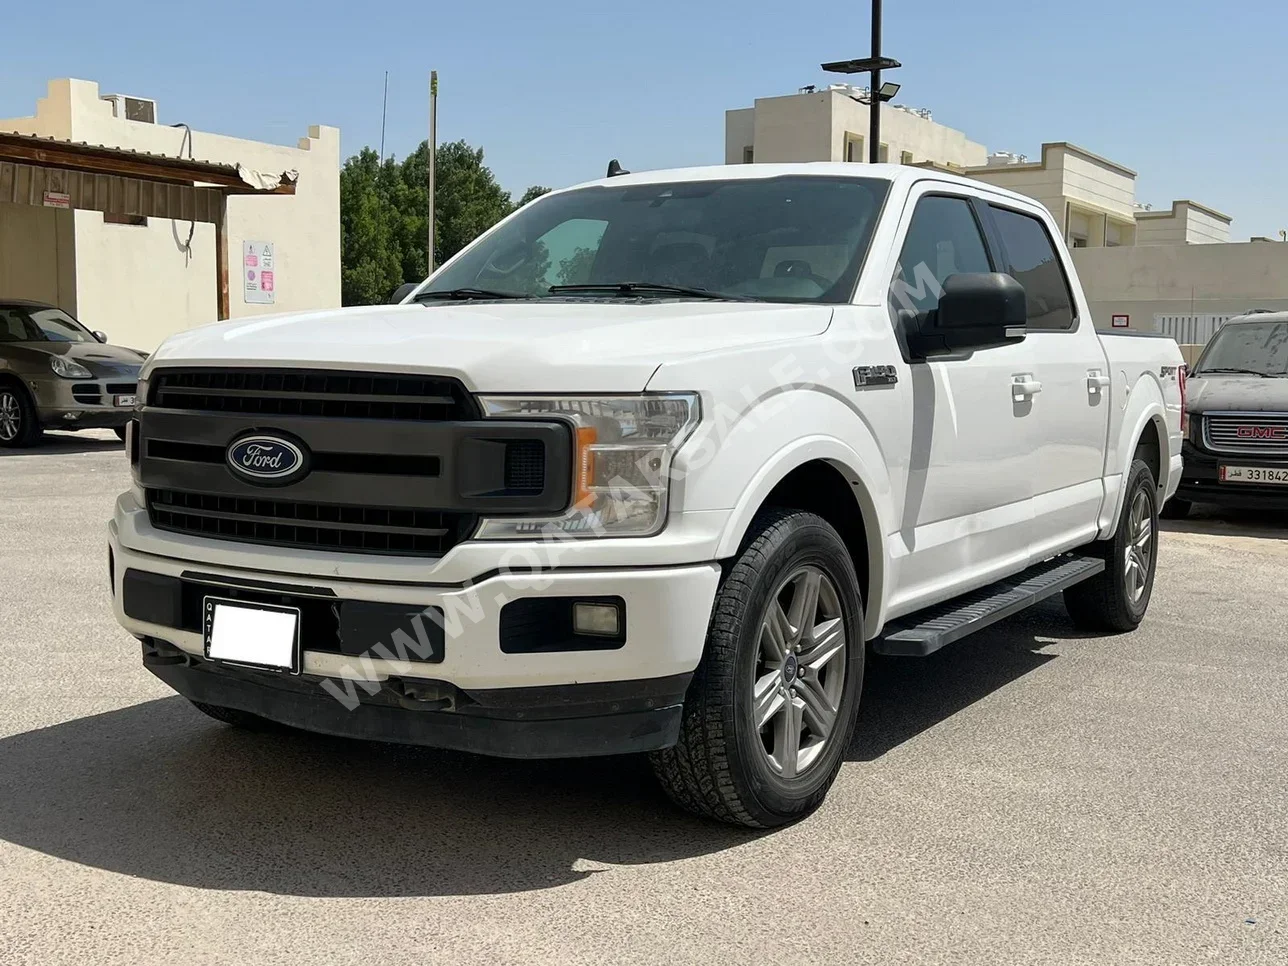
[19,421]
[773,704]
[238,718]
[1116,599]
[1176,509]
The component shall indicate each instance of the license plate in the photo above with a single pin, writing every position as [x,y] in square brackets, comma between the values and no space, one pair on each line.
[251,634]
[1254,474]
[125,402]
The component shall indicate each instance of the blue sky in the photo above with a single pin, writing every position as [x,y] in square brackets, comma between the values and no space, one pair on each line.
[553,90]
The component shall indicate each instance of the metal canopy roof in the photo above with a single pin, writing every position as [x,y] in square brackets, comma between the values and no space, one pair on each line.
[97,159]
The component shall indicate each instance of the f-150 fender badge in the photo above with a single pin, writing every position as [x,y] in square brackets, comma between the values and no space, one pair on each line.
[869,377]
[1165,371]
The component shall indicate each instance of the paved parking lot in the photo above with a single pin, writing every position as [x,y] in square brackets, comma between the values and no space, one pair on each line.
[1030,796]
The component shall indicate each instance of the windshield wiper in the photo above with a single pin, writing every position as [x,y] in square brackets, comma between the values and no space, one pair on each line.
[465,294]
[632,288]
[1235,369]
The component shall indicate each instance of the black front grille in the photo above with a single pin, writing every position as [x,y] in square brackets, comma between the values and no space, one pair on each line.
[87,393]
[312,526]
[122,388]
[312,392]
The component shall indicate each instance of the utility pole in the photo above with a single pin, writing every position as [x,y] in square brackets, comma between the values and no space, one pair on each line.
[384,113]
[880,92]
[433,158]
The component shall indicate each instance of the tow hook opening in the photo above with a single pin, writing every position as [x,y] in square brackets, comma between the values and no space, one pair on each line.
[417,694]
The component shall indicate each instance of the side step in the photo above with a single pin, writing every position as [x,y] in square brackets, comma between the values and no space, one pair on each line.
[927,631]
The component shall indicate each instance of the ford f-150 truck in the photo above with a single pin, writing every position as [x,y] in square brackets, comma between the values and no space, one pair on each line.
[651,466]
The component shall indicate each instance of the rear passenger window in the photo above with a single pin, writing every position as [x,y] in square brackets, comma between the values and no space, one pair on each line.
[1034,264]
[943,239]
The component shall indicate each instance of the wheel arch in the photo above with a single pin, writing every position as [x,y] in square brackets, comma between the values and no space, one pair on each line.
[824,476]
[1144,432]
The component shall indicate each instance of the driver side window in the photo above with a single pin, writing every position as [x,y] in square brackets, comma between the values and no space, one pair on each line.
[943,239]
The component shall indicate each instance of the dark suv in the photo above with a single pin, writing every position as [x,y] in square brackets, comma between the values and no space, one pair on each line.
[1236,451]
[56,374]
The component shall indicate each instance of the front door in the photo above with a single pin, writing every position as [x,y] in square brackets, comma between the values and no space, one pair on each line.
[968,506]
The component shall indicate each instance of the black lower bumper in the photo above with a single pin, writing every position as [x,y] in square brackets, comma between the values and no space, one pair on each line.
[85,419]
[1201,482]
[573,721]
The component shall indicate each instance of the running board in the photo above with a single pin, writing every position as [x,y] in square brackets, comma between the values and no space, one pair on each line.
[927,631]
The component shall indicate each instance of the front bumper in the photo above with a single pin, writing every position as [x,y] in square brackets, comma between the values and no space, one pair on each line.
[1201,483]
[479,698]
[82,403]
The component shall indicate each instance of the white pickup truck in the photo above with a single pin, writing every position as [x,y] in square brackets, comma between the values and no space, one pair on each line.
[651,467]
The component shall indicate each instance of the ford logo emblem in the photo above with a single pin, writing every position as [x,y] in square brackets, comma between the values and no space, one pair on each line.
[267,459]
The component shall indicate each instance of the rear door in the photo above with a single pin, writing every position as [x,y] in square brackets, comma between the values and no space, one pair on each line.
[1068,376]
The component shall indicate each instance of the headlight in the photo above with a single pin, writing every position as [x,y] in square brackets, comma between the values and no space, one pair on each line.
[68,369]
[621,473]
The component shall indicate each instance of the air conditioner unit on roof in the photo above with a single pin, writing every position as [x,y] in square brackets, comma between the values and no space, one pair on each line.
[142,109]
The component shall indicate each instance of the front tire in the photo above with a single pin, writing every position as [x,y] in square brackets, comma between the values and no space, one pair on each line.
[19,422]
[773,704]
[1116,599]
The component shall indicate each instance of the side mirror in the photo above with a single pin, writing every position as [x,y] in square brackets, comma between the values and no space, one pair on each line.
[101,336]
[976,311]
[402,291]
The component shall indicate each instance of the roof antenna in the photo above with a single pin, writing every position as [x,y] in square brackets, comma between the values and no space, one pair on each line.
[615,168]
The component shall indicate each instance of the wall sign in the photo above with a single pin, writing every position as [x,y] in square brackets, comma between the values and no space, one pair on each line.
[57,199]
[259,276]
[1121,321]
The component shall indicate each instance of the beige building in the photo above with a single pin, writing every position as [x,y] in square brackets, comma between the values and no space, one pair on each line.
[1187,223]
[139,278]
[832,125]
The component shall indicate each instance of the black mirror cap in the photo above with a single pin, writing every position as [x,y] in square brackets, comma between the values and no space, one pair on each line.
[100,335]
[977,310]
[402,291]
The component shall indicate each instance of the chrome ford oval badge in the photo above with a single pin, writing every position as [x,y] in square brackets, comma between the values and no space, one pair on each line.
[267,459]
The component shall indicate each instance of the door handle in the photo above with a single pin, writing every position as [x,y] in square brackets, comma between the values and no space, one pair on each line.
[1096,381]
[1024,386]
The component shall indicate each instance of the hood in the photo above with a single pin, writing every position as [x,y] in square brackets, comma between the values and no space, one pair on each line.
[1229,392]
[548,346]
[102,360]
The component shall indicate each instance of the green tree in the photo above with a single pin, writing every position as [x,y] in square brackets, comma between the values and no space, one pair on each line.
[532,194]
[371,263]
[384,216]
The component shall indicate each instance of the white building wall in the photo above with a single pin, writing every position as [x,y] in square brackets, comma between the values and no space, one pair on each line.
[813,127]
[740,133]
[1183,280]
[138,284]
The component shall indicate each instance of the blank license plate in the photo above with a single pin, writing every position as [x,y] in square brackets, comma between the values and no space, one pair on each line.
[255,635]
[1254,474]
[126,402]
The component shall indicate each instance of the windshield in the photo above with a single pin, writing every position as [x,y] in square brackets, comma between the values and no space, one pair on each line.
[58,326]
[1257,347]
[790,239]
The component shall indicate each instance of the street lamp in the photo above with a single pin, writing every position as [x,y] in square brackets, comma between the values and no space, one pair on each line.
[880,92]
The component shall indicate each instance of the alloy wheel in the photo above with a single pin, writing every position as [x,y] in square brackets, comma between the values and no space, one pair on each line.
[799,677]
[10,416]
[1140,546]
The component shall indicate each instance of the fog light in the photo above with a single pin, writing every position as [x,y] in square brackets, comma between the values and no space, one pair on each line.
[599,620]
[70,417]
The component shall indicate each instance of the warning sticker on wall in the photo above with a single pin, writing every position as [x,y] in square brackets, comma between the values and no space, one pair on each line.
[258,271]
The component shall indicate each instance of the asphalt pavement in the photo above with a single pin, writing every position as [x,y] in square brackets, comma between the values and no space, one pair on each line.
[1030,796]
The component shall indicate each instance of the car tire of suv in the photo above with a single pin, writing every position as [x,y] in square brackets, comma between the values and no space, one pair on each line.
[737,760]
[1117,598]
[238,718]
[19,422]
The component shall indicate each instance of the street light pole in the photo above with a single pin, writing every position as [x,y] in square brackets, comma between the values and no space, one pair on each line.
[880,92]
[874,106]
